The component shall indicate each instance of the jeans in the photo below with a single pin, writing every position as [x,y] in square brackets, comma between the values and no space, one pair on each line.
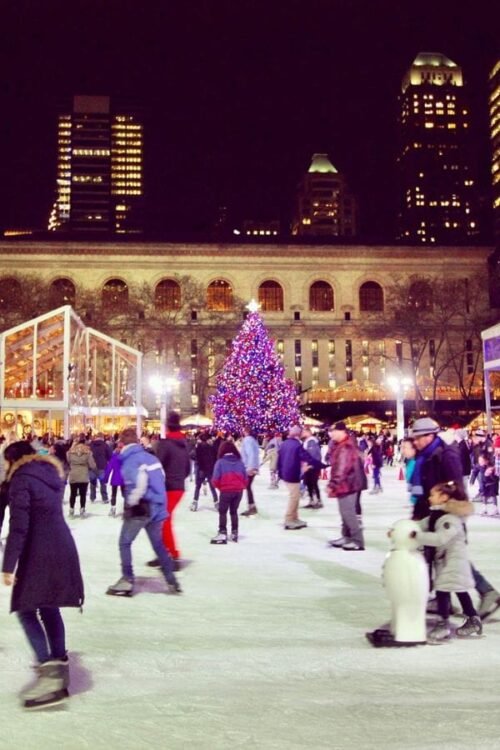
[44,629]
[250,496]
[482,585]
[351,529]
[200,478]
[130,528]
[102,485]
[229,501]
[376,476]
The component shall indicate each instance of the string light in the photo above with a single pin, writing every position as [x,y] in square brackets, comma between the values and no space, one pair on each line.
[252,390]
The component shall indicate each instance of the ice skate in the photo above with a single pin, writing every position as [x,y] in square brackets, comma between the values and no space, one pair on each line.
[71,512]
[351,546]
[194,506]
[50,687]
[112,511]
[471,626]
[234,536]
[440,633]
[220,538]
[216,505]
[174,588]
[295,525]
[338,542]
[489,604]
[83,513]
[123,587]
[252,511]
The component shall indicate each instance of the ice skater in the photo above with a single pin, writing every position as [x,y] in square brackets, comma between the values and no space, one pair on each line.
[144,482]
[41,563]
[444,529]
[230,478]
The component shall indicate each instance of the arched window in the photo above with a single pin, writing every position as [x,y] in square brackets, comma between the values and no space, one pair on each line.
[420,296]
[10,292]
[271,296]
[62,292]
[371,297]
[220,295]
[321,297]
[168,295]
[115,296]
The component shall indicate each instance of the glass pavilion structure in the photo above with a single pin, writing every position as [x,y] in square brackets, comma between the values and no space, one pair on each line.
[491,360]
[57,374]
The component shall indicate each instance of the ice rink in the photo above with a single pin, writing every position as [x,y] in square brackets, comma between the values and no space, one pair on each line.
[265,650]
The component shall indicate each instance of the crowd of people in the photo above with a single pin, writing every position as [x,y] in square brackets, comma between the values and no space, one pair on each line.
[151,473]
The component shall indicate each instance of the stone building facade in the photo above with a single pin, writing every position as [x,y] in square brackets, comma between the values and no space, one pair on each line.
[319,302]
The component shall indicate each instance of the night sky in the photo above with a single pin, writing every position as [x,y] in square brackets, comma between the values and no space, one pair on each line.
[236,96]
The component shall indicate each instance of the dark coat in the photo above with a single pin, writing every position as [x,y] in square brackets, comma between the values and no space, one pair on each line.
[39,541]
[443,465]
[291,456]
[464,453]
[173,453]
[102,452]
[205,457]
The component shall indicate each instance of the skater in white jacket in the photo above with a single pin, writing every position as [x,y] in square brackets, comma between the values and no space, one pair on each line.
[445,530]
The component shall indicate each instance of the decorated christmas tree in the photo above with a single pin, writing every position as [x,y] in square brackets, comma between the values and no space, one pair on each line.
[252,390]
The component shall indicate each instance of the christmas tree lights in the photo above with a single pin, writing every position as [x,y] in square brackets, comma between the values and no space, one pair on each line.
[252,390]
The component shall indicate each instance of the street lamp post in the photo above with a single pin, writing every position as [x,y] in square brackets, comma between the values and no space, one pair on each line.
[162,385]
[398,384]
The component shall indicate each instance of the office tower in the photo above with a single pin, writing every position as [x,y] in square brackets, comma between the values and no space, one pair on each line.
[437,189]
[494,105]
[99,169]
[325,207]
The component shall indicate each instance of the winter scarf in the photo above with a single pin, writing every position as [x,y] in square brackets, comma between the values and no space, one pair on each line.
[416,480]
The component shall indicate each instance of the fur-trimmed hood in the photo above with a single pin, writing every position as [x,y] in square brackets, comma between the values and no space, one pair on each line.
[80,449]
[36,464]
[460,508]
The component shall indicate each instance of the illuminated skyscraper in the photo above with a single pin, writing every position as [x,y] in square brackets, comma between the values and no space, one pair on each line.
[325,207]
[99,169]
[494,102]
[437,189]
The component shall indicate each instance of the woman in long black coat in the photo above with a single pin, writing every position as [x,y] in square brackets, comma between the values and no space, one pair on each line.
[41,562]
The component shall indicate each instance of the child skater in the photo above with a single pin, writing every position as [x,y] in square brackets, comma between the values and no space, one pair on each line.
[489,483]
[230,478]
[445,530]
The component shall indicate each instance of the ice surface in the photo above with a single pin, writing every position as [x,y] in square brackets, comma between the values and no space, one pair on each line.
[265,650]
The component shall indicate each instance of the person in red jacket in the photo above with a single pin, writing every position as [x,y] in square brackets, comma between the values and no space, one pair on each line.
[347,480]
[230,478]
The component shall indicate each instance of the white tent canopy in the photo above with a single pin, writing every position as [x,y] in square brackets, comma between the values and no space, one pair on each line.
[196,420]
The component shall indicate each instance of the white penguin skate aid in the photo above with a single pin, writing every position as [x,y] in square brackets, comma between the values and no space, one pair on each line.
[406,580]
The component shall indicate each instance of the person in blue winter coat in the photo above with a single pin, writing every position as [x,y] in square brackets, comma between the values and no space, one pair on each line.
[144,481]
[41,563]
[250,455]
[114,471]
[293,459]
[230,478]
